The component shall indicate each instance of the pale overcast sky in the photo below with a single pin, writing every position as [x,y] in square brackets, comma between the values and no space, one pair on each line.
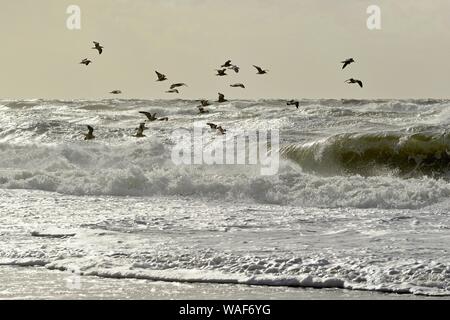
[301,42]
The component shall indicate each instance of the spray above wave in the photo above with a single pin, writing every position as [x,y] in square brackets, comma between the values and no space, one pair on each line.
[403,153]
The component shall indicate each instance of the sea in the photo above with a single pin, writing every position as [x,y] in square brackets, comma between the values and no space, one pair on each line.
[359,202]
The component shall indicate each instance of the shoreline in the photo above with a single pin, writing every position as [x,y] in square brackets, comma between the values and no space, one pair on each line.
[36,283]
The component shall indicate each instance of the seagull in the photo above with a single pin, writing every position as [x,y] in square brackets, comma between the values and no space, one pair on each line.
[177,85]
[86,62]
[205,103]
[260,70]
[212,125]
[202,110]
[173,91]
[161,77]
[347,62]
[116,92]
[235,68]
[221,130]
[140,131]
[237,85]
[221,72]
[98,47]
[222,98]
[150,117]
[226,64]
[351,81]
[90,134]
[293,103]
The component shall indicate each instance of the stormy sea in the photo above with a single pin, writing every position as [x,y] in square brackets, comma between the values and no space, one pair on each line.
[359,203]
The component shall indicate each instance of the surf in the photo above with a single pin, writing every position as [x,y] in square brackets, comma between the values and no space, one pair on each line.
[401,153]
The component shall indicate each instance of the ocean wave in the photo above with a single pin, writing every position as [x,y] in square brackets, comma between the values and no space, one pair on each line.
[146,169]
[404,153]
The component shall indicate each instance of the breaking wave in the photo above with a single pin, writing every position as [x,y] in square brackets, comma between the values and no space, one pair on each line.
[146,170]
[369,154]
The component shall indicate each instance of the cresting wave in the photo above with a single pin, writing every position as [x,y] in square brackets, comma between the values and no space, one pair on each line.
[403,153]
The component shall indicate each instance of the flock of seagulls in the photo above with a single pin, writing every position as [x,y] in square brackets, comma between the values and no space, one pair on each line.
[345,63]
[97,47]
[176,87]
[351,80]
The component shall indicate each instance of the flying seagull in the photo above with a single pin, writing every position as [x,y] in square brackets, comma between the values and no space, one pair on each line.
[351,81]
[226,64]
[260,70]
[216,127]
[222,98]
[116,92]
[235,68]
[140,131]
[161,77]
[86,62]
[221,130]
[90,134]
[221,72]
[347,62]
[150,117]
[293,103]
[98,47]
[173,91]
[237,85]
[205,103]
[177,85]
[202,110]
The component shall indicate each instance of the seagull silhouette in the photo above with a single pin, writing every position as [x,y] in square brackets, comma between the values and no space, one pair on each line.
[226,64]
[98,47]
[86,62]
[221,72]
[161,77]
[347,62]
[237,85]
[90,134]
[351,81]
[116,92]
[235,68]
[205,103]
[177,85]
[173,91]
[221,98]
[140,131]
[221,130]
[293,103]
[150,117]
[202,110]
[260,70]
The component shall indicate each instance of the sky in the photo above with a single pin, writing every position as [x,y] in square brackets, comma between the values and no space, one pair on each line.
[300,42]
